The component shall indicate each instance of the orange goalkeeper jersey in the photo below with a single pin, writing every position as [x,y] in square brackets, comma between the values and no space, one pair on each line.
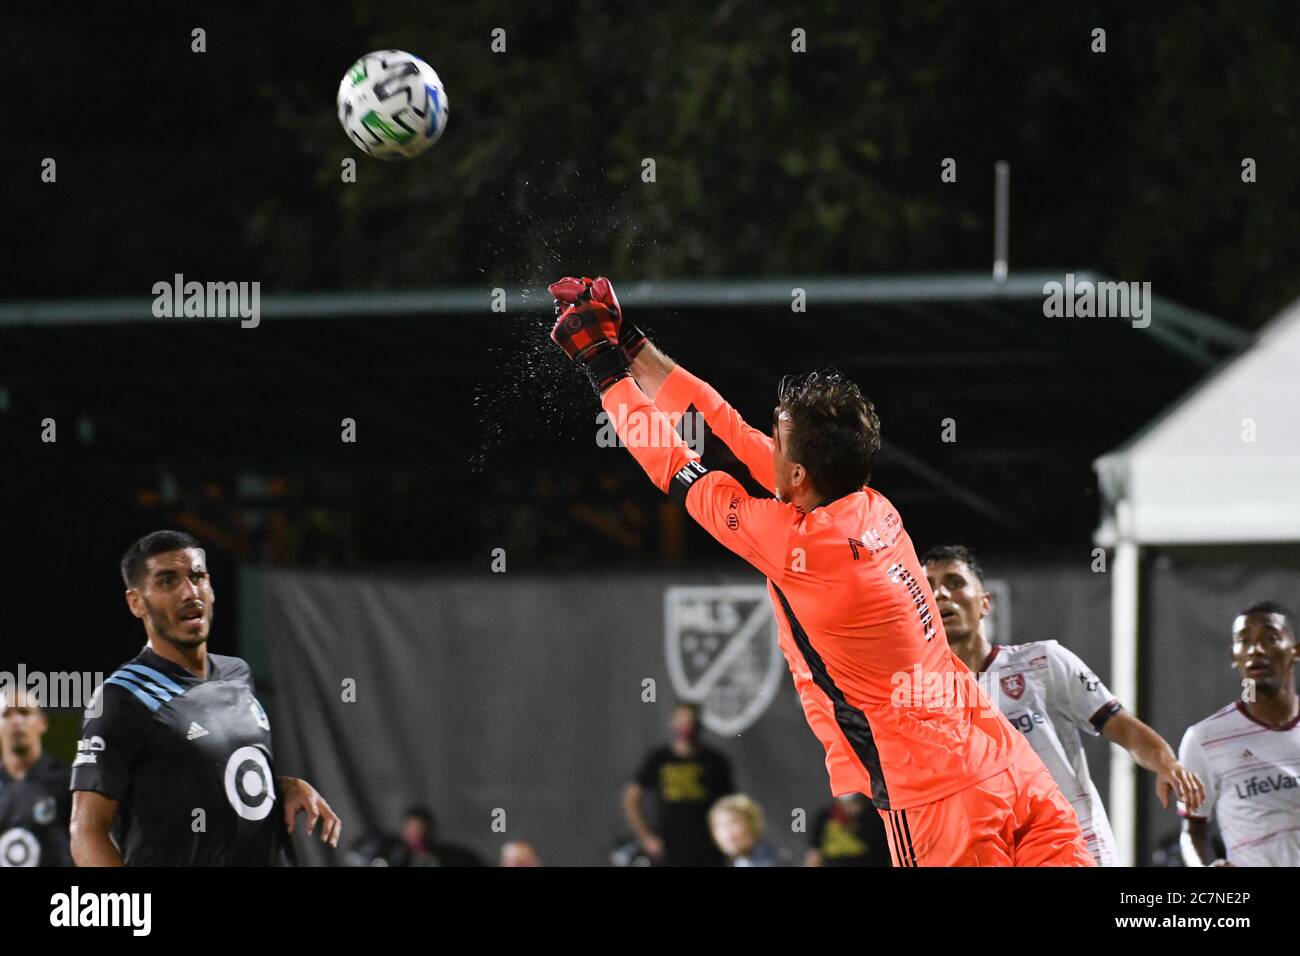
[899,715]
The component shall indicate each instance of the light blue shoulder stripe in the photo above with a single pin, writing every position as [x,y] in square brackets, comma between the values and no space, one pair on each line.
[155,676]
[162,695]
[144,698]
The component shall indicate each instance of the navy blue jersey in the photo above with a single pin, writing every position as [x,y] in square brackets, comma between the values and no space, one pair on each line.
[34,815]
[189,762]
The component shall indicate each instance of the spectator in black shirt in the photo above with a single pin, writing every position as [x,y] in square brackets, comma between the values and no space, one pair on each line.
[418,845]
[683,780]
[849,833]
[422,847]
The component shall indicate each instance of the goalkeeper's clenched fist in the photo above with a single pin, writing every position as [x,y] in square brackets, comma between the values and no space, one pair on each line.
[591,329]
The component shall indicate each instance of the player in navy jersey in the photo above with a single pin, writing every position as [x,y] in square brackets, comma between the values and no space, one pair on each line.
[34,802]
[174,764]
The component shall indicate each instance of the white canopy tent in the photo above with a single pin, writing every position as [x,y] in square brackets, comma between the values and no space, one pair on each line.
[1222,466]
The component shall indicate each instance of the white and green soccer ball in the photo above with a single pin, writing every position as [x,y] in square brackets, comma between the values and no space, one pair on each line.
[392,104]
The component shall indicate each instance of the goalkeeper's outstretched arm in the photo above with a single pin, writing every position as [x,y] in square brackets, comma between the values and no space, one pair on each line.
[593,332]
[757,529]
[674,390]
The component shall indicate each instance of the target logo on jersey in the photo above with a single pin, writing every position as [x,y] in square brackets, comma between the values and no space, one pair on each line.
[250,788]
[18,847]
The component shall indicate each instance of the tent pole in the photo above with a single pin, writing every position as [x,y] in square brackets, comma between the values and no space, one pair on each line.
[1123,684]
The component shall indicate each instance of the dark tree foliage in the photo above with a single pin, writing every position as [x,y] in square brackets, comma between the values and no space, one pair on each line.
[767,161]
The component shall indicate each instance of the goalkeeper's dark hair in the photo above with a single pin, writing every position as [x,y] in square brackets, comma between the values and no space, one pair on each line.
[1272,607]
[954,552]
[834,430]
[156,542]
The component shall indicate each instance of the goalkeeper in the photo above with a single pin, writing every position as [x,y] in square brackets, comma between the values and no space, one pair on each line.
[953,781]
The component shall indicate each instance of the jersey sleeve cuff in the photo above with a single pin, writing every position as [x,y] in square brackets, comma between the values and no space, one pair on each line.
[617,394]
[1104,713]
[96,786]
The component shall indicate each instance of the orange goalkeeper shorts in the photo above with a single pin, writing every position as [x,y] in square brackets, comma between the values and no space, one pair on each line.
[1018,817]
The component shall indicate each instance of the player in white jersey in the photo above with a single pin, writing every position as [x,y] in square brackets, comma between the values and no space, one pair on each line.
[1049,695]
[1248,753]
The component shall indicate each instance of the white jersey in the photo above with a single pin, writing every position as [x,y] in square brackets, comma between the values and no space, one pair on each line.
[1251,773]
[1049,695]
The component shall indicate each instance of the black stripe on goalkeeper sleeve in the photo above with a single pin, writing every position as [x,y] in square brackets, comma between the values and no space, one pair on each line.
[684,478]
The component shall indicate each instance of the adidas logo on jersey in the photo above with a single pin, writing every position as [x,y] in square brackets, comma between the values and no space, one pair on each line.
[1247,753]
[195,732]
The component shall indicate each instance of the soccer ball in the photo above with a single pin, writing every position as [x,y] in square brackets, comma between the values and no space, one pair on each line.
[392,104]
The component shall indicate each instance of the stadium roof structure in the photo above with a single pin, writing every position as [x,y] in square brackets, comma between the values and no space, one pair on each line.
[992,411]
[1222,465]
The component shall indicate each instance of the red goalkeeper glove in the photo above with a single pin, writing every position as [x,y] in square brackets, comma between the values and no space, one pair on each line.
[588,332]
[568,290]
